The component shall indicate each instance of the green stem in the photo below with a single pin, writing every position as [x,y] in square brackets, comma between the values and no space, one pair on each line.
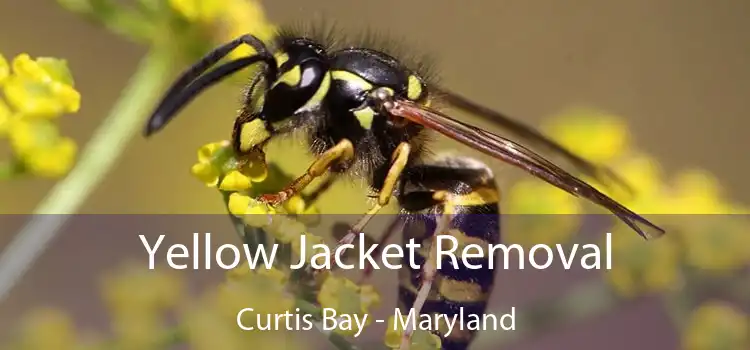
[101,153]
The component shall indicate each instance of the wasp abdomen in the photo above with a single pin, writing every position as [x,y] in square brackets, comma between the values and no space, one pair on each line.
[461,286]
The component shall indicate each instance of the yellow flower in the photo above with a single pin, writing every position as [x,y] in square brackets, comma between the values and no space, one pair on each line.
[54,161]
[212,323]
[263,290]
[640,266]
[198,10]
[41,88]
[4,69]
[206,173]
[216,160]
[37,91]
[643,173]
[540,214]
[207,329]
[235,181]
[286,229]
[295,205]
[420,339]
[132,288]
[346,297]
[238,204]
[48,329]
[138,328]
[533,196]
[241,17]
[716,243]
[311,241]
[6,116]
[308,215]
[273,275]
[716,325]
[43,151]
[207,152]
[595,135]
[697,192]
[211,157]
[237,273]
[252,212]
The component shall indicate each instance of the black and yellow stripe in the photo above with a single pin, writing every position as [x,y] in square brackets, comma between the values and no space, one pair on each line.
[466,189]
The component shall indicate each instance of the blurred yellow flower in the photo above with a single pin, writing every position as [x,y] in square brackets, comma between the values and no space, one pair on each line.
[644,174]
[5,118]
[212,324]
[286,229]
[346,297]
[540,214]
[4,69]
[531,196]
[132,287]
[227,20]
[241,17]
[716,243]
[640,266]
[311,240]
[597,136]
[199,10]
[207,329]
[48,329]
[717,326]
[420,339]
[697,192]
[263,291]
[138,329]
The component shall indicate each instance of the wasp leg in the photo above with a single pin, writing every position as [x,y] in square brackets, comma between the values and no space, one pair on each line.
[313,196]
[384,238]
[398,163]
[429,270]
[341,152]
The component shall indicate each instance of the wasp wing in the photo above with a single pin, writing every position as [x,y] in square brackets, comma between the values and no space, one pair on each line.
[517,155]
[525,132]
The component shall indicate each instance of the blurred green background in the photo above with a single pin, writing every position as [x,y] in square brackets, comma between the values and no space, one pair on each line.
[675,71]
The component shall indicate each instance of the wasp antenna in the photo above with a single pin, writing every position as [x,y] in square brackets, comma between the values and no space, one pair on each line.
[650,232]
[168,110]
[182,90]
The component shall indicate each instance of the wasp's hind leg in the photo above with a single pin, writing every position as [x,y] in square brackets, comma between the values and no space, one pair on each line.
[340,153]
[429,272]
[395,224]
[398,163]
[455,197]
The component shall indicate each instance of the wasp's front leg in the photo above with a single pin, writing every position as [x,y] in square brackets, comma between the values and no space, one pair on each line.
[341,152]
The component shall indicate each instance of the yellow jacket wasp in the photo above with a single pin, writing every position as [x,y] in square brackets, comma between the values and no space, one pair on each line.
[366,114]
